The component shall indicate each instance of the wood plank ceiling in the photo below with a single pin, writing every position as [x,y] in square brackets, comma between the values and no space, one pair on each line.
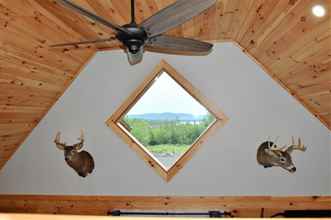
[283,36]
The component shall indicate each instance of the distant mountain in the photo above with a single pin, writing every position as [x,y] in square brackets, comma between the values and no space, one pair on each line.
[167,116]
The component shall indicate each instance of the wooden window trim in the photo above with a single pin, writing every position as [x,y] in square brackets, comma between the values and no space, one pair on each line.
[113,121]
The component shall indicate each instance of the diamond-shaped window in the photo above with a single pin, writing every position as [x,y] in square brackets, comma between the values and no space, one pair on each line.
[165,120]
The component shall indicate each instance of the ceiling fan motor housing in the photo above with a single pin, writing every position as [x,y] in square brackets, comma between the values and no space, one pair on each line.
[135,40]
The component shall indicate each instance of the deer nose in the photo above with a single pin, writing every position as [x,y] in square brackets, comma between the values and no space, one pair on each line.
[293,169]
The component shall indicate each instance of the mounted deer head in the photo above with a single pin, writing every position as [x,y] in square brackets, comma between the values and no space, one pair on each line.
[270,155]
[82,162]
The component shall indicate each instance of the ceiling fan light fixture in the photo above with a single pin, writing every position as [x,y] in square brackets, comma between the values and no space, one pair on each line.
[319,11]
[135,58]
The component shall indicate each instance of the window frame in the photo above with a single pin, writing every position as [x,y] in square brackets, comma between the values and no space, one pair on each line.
[114,121]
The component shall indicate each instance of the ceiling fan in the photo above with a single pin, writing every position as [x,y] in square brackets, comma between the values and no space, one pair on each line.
[136,38]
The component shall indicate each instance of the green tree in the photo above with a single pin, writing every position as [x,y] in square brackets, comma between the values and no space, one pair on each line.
[152,133]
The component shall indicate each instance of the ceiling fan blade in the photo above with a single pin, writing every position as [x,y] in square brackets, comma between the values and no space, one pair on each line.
[90,15]
[178,45]
[85,42]
[174,15]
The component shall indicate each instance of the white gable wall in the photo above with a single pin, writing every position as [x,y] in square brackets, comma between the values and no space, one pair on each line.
[226,164]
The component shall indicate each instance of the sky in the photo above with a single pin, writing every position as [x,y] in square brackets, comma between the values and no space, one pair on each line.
[166,95]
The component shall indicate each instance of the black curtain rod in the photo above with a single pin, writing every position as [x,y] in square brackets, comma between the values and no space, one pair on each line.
[211,214]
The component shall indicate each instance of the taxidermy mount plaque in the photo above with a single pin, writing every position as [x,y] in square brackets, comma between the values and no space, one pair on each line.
[270,155]
[81,161]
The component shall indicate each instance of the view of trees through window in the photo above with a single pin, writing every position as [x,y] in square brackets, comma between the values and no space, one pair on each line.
[167,120]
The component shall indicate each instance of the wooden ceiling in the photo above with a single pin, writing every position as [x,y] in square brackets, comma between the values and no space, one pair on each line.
[283,36]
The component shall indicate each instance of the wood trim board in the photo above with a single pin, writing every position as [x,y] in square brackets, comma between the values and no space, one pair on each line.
[114,121]
[241,206]
[75,217]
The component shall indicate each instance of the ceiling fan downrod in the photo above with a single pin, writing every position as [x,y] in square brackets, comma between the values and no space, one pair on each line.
[133,12]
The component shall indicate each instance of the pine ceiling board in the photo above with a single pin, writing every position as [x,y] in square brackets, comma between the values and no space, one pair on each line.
[315,63]
[327,118]
[87,28]
[142,11]
[313,43]
[308,78]
[294,35]
[7,141]
[247,13]
[27,82]
[33,77]
[227,18]
[6,152]
[54,23]
[14,117]
[305,46]
[103,8]
[33,67]
[322,103]
[9,65]
[291,45]
[287,18]
[265,12]
[203,25]
[321,88]
[123,9]
[18,45]
[152,7]
[15,128]
[188,29]
[214,27]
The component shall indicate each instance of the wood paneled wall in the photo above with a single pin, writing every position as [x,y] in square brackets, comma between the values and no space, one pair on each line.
[283,36]
[103,205]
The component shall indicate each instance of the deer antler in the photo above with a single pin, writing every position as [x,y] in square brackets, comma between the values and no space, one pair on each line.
[80,145]
[294,146]
[58,143]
